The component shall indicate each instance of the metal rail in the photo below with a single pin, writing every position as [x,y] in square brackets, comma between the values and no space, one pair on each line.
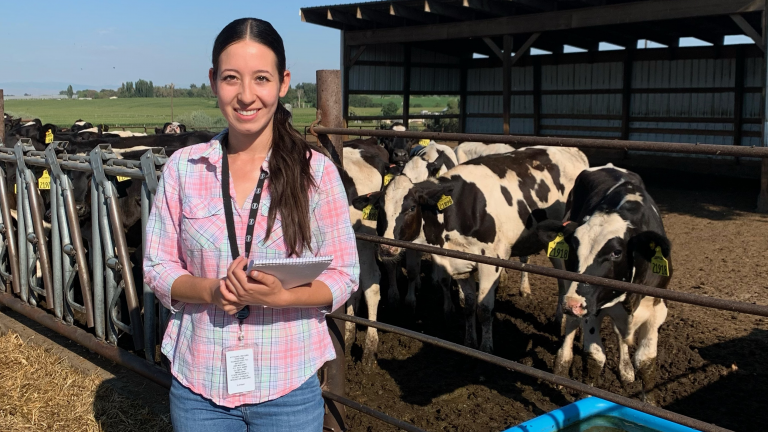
[372,412]
[682,297]
[517,140]
[538,374]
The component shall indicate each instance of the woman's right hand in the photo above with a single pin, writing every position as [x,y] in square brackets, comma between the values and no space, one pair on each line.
[223,298]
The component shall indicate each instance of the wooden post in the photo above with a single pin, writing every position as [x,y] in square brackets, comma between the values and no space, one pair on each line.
[2,114]
[330,114]
[507,81]
[762,199]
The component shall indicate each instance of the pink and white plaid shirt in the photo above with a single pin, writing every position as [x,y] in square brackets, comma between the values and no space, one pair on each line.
[187,234]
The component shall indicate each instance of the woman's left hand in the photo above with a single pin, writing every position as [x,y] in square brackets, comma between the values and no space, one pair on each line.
[257,288]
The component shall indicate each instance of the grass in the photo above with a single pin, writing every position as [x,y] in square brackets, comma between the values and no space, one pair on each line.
[195,112]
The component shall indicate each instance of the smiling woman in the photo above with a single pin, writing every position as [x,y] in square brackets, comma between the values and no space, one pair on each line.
[244,350]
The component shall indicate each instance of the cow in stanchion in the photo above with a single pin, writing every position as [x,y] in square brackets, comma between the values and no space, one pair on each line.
[614,230]
[488,206]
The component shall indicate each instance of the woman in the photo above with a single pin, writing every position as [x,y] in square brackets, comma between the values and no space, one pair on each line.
[244,351]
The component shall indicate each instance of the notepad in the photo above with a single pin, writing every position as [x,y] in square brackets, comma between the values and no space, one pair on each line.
[292,272]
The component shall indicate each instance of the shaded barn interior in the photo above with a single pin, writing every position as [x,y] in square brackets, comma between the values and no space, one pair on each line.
[611,69]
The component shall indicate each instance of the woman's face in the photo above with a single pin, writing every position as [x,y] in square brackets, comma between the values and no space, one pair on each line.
[248,86]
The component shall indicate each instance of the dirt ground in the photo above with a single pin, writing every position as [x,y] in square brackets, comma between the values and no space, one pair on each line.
[709,360]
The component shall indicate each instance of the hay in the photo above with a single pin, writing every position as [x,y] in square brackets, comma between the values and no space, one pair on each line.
[40,391]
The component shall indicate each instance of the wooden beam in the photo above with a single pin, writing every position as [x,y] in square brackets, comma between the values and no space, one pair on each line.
[448,10]
[748,30]
[369,14]
[494,48]
[357,55]
[319,18]
[536,5]
[344,18]
[397,9]
[492,7]
[523,49]
[618,14]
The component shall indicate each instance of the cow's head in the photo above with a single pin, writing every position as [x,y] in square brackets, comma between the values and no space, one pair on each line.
[608,246]
[79,125]
[397,147]
[401,206]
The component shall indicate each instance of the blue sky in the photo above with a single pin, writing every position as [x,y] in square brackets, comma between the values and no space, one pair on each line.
[104,43]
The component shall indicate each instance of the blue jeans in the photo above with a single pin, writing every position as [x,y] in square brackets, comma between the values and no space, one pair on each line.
[301,410]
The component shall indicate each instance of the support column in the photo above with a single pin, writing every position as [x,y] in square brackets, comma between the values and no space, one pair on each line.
[626,93]
[537,96]
[507,81]
[463,94]
[762,199]
[406,85]
[329,109]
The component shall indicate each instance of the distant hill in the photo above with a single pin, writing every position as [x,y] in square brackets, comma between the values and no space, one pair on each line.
[47,88]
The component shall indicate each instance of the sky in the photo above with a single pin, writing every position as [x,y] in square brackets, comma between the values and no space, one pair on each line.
[49,44]
[104,43]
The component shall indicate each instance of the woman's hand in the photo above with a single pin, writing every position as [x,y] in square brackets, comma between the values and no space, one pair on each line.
[224,299]
[258,288]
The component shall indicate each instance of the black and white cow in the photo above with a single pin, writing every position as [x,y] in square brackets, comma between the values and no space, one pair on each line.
[473,150]
[487,206]
[397,148]
[614,231]
[79,125]
[171,128]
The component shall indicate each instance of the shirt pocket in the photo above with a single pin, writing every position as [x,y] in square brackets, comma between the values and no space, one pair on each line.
[275,240]
[202,226]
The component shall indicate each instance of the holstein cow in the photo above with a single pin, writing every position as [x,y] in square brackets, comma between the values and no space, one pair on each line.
[171,128]
[487,206]
[79,125]
[397,148]
[614,231]
[472,150]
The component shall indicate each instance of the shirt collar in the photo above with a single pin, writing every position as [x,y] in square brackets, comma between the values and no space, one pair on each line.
[213,152]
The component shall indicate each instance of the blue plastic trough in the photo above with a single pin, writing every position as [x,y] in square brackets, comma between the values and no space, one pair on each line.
[595,414]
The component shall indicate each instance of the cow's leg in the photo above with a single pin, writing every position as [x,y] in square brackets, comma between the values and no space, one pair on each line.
[647,343]
[565,353]
[562,288]
[525,285]
[488,281]
[393,294]
[626,371]
[443,279]
[349,328]
[593,347]
[413,269]
[372,297]
[468,300]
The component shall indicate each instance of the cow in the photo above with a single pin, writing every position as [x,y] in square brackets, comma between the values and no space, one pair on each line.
[613,230]
[79,125]
[472,150]
[488,206]
[397,148]
[171,128]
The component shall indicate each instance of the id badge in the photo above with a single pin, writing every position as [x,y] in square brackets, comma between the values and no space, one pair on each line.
[241,368]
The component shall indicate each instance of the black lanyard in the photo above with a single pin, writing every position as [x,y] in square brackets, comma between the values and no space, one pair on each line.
[229,216]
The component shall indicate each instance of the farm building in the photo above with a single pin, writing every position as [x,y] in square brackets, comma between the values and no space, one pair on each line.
[607,69]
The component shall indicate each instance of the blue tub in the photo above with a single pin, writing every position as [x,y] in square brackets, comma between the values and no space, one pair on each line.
[598,414]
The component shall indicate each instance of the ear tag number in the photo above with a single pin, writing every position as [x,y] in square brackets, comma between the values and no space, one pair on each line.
[48,136]
[659,264]
[44,182]
[122,179]
[445,202]
[558,248]
[370,213]
[388,178]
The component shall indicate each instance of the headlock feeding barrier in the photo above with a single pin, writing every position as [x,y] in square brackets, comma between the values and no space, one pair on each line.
[40,263]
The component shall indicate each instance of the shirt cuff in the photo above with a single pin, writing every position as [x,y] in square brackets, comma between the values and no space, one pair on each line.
[161,285]
[340,289]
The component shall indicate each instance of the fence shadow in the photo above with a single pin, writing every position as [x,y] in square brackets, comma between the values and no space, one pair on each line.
[119,406]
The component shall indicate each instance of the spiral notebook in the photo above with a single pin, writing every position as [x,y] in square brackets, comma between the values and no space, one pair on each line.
[292,272]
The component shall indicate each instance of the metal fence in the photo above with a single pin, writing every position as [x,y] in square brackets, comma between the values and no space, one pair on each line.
[39,264]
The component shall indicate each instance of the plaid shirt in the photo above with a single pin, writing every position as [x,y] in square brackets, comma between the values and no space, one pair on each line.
[187,234]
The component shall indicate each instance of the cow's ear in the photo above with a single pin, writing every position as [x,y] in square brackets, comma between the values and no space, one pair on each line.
[431,195]
[549,229]
[433,169]
[364,201]
[645,244]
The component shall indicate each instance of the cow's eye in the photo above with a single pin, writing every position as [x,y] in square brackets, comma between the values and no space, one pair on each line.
[413,208]
[616,254]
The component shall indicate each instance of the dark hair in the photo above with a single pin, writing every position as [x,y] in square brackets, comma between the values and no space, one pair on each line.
[290,177]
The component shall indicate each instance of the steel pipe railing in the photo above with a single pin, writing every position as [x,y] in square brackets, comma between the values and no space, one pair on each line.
[682,297]
[372,412]
[517,140]
[538,374]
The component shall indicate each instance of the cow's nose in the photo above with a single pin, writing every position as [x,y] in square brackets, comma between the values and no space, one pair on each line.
[574,307]
[400,154]
[389,251]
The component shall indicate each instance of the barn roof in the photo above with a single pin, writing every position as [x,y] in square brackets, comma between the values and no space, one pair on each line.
[579,23]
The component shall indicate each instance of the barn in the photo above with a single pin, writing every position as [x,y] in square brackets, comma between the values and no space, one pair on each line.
[647,70]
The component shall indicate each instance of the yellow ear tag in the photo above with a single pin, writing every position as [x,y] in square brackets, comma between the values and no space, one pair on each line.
[445,202]
[122,179]
[44,182]
[388,178]
[14,188]
[370,213]
[424,142]
[659,264]
[558,248]
[48,136]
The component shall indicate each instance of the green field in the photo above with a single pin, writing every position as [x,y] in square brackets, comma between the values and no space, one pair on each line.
[194,112]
